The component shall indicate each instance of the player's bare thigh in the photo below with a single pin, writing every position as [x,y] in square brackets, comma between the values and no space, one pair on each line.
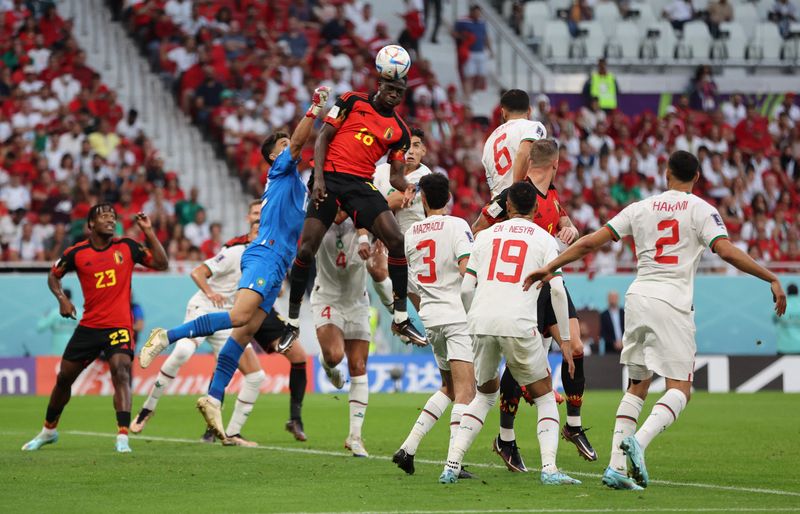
[245,307]
[311,238]
[388,231]
[245,332]
[357,351]
[331,343]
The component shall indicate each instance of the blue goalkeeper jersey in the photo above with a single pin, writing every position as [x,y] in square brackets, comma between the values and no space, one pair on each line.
[283,208]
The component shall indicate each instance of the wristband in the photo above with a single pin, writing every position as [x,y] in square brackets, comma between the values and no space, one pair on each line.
[363,239]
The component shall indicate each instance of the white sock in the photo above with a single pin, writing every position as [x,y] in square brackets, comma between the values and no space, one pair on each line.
[359,397]
[471,424]
[455,421]
[574,421]
[400,316]
[664,413]
[183,350]
[322,362]
[49,432]
[434,407]
[627,416]
[547,430]
[295,322]
[245,401]
[507,434]
[384,290]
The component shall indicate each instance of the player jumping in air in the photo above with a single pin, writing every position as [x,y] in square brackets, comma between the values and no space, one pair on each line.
[437,249]
[340,305]
[406,215]
[670,231]
[217,279]
[502,321]
[104,265]
[264,265]
[359,130]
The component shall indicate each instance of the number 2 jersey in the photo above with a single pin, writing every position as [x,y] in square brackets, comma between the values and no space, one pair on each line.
[105,277]
[364,136]
[501,147]
[670,231]
[341,273]
[501,257]
[433,248]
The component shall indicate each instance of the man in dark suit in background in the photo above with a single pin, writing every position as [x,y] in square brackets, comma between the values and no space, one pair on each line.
[612,325]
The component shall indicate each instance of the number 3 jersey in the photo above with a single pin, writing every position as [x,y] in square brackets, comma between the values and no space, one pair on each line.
[501,257]
[501,147]
[341,272]
[670,232]
[433,248]
[105,277]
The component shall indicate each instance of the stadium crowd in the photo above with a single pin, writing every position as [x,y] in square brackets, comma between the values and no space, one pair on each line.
[245,68]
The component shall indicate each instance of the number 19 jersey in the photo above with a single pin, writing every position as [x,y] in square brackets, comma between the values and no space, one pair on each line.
[501,147]
[501,257]
[433,248]
[671,232]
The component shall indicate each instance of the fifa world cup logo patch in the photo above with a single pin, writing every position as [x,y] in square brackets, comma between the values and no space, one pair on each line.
[118,258]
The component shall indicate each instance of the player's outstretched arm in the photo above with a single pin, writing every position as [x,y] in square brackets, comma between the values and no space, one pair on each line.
[558,296]
[320,154]
[581,248]
[159,261]
[65,306]
[520,168]
[743,262]
[303,130]
[480,224]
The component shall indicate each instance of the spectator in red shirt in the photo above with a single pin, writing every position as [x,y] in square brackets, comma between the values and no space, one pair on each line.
[213,244]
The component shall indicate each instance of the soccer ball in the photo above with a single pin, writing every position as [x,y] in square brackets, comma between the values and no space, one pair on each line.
[392,62]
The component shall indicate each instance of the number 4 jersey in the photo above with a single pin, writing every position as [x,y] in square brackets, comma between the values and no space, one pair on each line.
[341,272]
[671,231]
[434,246]
[105,277]
[501,148]
[501,257]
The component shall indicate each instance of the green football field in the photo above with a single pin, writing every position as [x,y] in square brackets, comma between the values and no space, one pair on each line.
[727,453]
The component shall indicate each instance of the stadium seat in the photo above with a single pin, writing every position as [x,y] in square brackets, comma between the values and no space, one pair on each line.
[536,15]
[747,16]
[607,14]
[660,48]
[762,7]
[697,40]
[767,43]
[700,5]
[594,42]
[625,42]
[734,46]
[646,13]
[556,40]
[555,5]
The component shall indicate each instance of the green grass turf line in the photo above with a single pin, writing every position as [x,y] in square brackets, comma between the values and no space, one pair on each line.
[726,441]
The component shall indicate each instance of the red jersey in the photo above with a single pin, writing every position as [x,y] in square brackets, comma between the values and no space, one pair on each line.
[105,277]
[364,136]
[548,210]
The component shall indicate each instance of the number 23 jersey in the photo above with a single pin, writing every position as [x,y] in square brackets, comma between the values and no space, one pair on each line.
[670,231]
[433,248]
[501,257]
[341,272]
[105,277]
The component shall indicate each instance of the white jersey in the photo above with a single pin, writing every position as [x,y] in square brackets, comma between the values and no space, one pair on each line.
[433,248]
[412,213]
[501,148]
[341,272]
[671,231]
[226,270]
[501,257]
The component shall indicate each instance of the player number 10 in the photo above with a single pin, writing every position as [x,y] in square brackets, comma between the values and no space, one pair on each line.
[365,137]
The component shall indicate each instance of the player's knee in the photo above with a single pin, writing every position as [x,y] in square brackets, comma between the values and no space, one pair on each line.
[182,352]
[239,318]
[121,375]
[333,357]
[64,381]
[255,379]
[357,368]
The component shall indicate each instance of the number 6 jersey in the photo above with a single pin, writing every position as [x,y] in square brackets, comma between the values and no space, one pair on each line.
[671,232]
[501,257]
[341,272]
[501,148]
[434,246]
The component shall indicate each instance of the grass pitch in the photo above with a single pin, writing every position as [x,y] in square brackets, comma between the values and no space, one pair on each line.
[727,453]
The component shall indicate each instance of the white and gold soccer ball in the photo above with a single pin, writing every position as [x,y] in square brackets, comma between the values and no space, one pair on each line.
[392,62]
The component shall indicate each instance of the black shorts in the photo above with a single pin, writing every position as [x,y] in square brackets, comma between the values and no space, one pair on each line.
[86,344]
[546,315]
[270,331]
[357,196]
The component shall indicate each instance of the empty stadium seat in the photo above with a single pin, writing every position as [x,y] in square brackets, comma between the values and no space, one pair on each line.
[646,13]
[536,15]
[660,48]
[767,43]
[625,42]
[555,5]
[608,15]
[594,42]
[747,16]
[697,40]
[556,40]
[734,46]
